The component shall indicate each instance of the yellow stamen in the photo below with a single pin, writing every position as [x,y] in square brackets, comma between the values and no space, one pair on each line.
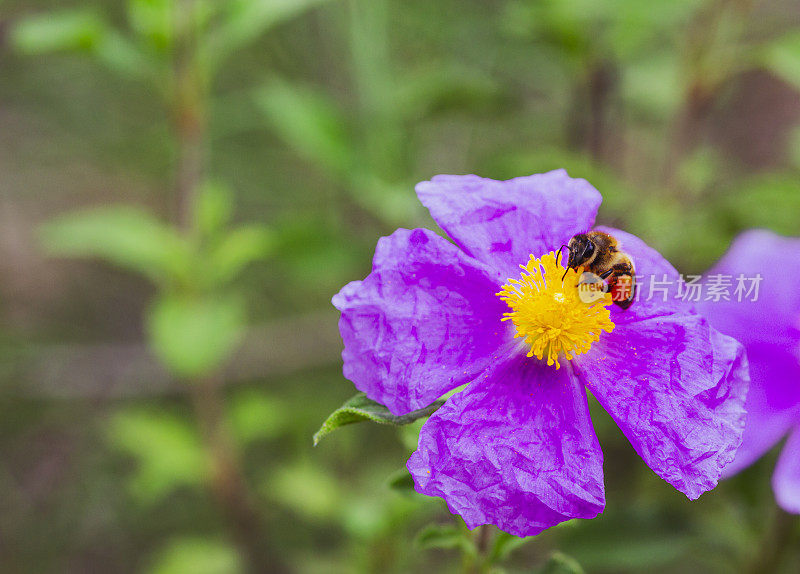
[549,313]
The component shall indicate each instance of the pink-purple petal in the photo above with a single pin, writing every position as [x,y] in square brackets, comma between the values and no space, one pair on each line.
[515,449]
[425,321]
[786,479]
[774,317]
[773,403]
[503,222]
[676,389]
[769,327]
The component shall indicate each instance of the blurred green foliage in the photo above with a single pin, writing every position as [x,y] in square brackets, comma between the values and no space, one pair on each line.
[195,324]
[301,127]
[167,450]
[185,556]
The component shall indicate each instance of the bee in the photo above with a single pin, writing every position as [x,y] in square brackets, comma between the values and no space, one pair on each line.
[600,253]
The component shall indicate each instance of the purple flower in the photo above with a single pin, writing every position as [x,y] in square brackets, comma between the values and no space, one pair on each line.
[769,328]
[516,447]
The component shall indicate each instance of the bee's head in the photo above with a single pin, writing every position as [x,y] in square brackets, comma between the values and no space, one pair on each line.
[581,249]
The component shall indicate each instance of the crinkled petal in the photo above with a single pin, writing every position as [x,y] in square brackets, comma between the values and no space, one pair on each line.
[676,389]
[425,321]
[786,480]
[503,222]
[773,403]
[774,316]
[515,449]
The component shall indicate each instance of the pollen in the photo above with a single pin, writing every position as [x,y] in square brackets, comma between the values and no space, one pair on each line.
[549,313]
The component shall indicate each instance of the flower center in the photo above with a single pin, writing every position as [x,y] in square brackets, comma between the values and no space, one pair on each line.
[551,315]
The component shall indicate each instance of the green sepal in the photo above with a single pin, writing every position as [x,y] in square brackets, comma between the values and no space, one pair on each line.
[504,545]
[560,563]
[401,481]
[445,537]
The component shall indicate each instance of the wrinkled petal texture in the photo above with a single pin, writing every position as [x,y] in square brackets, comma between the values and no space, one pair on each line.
[425,321]
[502,223]
[516,449]
[769,327]
[675,387]
[786,480]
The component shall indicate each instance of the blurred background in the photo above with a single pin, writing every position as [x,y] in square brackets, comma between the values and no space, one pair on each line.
[184,184]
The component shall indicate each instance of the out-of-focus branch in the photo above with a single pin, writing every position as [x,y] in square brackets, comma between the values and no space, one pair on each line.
[777,540]
[588,122]
[707,73]
[229,485]
[189,111]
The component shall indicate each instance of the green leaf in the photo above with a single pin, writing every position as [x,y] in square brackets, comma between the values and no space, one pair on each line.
[504,545]
[401,481]
[560,563]
[255,415]
[438,88]
[125,236]
[214,208]
[123,57]
[637,30]
[309,121]
[644,553]
[771,201]
[307,489]
[409,434]
[194,336]
[238,249]
[359,409]
[391,202]
[153,21]
[57,31]
[698,171]
[653,87]
[782,57]
[445,537]
[246,20]
[167,450]
[197,556]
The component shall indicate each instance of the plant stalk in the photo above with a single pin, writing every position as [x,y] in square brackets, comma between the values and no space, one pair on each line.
[777,540]
[477,562]
[188,106]
[228,483]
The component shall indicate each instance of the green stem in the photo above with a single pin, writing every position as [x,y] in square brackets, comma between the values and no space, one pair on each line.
[188,106]
[188,109]
[228,483]
[477,560]
[777,540]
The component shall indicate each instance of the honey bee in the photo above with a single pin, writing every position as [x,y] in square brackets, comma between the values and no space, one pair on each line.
[600,253]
